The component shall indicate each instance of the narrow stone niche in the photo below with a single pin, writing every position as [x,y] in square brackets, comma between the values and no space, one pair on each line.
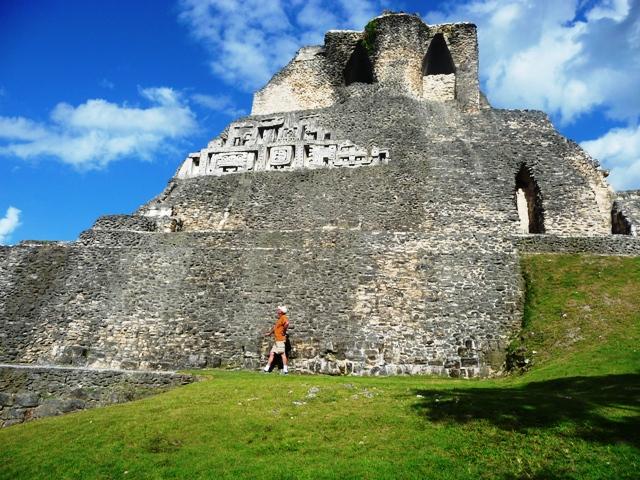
[529,202]
[620,224]
[438,71]
[359,68]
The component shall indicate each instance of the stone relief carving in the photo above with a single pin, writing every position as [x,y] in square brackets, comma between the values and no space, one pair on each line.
[310,134]
[232,162]
[279,157]
[350,156]
[278,143]
[289,133]
[321,155]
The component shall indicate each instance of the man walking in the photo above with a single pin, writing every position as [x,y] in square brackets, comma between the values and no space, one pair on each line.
[279,331]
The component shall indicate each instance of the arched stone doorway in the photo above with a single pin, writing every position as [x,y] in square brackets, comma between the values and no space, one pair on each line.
[359,68]
[529,202]
[620,224]
[438,71]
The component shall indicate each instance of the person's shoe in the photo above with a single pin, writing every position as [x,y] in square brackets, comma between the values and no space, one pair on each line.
[284,373]
[265,371]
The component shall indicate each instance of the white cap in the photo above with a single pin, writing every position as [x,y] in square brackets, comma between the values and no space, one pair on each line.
[282,308]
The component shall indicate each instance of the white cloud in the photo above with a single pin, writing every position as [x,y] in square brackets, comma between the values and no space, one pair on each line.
[97,132]
[218,103]
[614,9]
[249,41]
[619,150]
[566,58]
[357,12]
[18,128]
[9,223]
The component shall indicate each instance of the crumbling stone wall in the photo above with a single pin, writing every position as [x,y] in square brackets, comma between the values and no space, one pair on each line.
[29,392]
[436,87]
[400,267]
[396,47]
[125,222]
[303,84]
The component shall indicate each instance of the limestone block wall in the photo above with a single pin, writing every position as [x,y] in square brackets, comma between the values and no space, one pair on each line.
[391,53]
[463,45]
[29,392]
[125,222]
[439,87]
[360,302]
[446,169]
[402,266]
[305,83]
[401,42]
[575,196]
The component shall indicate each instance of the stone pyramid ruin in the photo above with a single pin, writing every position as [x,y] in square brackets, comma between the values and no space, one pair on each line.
[373,190]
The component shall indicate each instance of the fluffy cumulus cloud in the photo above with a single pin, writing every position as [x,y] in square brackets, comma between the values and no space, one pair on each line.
[97,132]
[619,150]
[565,58]
[249,41]
[9,223]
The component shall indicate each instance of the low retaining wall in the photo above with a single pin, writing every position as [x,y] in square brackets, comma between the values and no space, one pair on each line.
[28,392]
[603,245]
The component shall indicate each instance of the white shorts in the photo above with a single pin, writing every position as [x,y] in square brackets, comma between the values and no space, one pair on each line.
[278,347]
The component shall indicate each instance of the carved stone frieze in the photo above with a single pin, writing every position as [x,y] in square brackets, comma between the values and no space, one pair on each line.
[278,143]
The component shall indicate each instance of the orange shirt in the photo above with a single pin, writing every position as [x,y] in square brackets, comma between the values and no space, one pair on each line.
[280,328]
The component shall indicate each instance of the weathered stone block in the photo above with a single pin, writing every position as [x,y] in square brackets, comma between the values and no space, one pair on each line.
[76,389]
[469,362]
[27,399]
[452,364]
[6,399]
[48,408]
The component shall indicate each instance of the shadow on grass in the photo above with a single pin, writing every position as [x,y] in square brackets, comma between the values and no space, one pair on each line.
[576,404]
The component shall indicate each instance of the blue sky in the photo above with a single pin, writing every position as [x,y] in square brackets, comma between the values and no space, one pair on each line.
[100,101]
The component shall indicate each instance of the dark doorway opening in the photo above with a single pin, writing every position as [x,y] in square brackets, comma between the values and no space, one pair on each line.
[359,68]
[438,59]
[529,202]
[620,224]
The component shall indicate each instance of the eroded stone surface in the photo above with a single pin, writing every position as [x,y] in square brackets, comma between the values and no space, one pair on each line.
[28,392]
[397,50]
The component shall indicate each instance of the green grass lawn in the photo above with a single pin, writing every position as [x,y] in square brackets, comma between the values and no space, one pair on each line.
[574,414]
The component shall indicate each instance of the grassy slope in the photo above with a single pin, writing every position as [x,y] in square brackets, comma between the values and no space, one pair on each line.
[574,415]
